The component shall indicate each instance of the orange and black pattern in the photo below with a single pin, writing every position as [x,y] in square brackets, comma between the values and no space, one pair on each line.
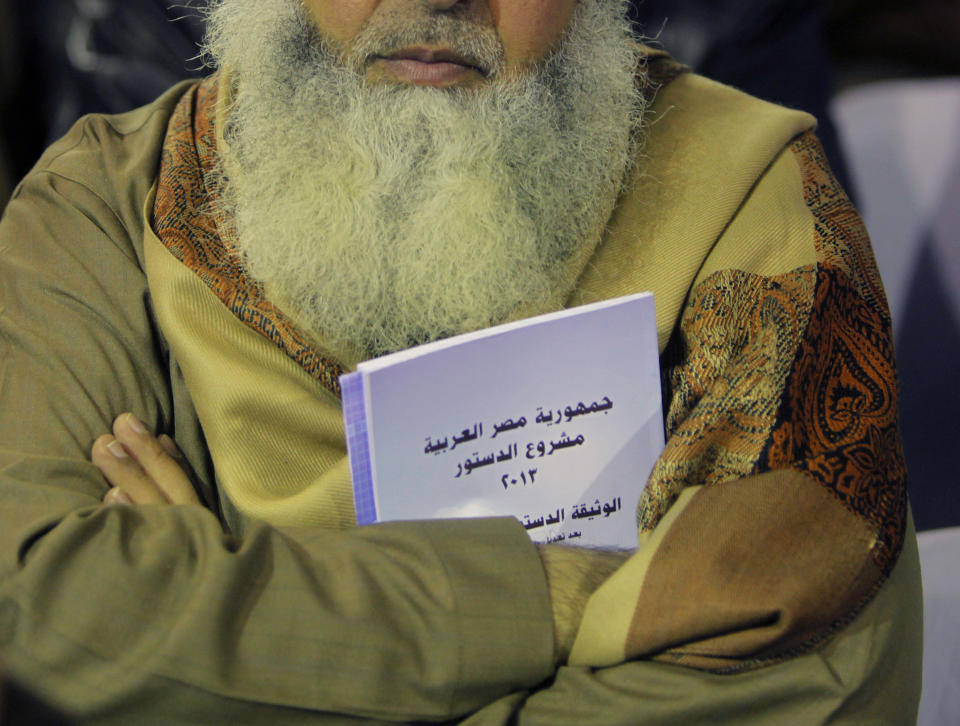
[793,371]
[186,220]
[725,372]
[838,422]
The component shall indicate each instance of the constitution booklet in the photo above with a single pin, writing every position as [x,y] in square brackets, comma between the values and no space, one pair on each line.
[555,420]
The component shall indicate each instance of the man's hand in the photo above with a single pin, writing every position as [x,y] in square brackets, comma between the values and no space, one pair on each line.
[141,468]
[573,574]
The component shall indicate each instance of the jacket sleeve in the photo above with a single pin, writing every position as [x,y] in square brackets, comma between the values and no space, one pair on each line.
[108,608]
[777,578]
[781,493]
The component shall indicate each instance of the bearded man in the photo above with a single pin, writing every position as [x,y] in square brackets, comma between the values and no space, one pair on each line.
[360,176]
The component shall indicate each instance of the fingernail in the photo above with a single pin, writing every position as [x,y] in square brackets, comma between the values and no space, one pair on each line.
[118,496]
[116,448]
[135,424]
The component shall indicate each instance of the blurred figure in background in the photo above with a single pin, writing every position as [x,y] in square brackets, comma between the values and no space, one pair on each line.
[898,111]
[875,39]
[7,80]
[65,58]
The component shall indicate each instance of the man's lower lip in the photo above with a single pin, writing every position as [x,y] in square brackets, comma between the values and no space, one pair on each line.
[427,74]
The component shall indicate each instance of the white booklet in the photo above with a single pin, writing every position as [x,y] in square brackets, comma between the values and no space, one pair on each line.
[555,420]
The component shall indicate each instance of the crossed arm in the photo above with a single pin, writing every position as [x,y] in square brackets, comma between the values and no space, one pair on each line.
[145,469]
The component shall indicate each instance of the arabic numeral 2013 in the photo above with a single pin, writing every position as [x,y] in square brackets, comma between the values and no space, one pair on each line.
[525,477]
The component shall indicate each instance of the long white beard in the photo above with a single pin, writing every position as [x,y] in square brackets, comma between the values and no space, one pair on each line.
[380,216]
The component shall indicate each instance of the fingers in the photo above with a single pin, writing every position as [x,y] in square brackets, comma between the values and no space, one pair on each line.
[123,472]
[156,459]
[144,468]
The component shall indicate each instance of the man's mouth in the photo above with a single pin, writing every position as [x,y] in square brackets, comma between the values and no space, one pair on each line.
[423,66]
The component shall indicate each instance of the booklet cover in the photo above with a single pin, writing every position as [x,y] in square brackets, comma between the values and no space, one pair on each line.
[555,420]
